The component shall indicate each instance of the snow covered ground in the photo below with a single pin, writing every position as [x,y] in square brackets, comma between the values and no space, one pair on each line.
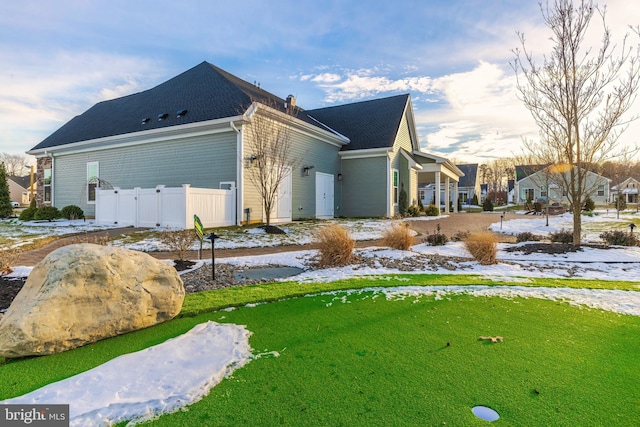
[211,351]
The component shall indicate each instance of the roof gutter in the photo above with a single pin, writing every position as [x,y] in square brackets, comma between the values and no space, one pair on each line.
[141,137]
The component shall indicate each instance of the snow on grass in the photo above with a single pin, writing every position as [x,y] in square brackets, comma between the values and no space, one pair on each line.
[611,264]
[19,233]
[150,382]
[616,301]
[296,233]
[592,225]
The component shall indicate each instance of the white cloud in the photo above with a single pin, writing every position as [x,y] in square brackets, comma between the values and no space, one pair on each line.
[480,116]
[325,78]
[36,101]
[363,83]
[465,115]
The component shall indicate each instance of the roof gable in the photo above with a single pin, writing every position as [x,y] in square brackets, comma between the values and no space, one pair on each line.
[523,171]
[547,171]
[367,124]
[470,175]
[22,181]
[627,182]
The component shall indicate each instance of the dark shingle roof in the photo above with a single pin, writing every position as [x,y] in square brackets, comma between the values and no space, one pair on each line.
[22,181]
[523,171]
[368,124]
[470,173]
[205,91]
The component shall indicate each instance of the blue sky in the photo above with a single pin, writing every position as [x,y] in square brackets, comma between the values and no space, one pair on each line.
[59,58]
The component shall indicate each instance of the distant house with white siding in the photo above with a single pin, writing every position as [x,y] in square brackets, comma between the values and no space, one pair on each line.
[627,190]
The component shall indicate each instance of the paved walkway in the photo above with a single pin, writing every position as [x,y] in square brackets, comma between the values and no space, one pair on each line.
[449,226]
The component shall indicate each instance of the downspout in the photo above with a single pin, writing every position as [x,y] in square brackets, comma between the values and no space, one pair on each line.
[53,174]
[239,173]
[389,189]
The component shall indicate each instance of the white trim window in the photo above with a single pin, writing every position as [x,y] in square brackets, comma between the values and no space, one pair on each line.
[396,184]
[46,173]
[93,181]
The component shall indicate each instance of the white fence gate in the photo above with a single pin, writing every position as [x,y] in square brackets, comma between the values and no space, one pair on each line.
[172,207]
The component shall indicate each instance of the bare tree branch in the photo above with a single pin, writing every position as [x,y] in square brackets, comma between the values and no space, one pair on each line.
[270,153]
[578,97]
[14,164]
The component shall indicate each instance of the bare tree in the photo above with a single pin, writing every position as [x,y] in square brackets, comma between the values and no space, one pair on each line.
[270,153]
[485,173]
[14,164]
[578,97]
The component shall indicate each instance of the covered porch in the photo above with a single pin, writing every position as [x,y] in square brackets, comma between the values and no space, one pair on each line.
[438,182]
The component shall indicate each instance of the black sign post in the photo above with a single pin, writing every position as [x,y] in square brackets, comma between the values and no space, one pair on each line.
[213,237]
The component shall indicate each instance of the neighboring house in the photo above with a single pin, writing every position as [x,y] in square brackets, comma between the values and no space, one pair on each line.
[626,190]
[354,159]
[463,190]
[541,183]
[438,172]
[469,184]
[19,189]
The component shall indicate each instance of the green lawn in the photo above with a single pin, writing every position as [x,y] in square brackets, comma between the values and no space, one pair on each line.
[351,359]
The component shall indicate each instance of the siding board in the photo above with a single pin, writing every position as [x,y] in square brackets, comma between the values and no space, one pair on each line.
[202,162]
[364,187]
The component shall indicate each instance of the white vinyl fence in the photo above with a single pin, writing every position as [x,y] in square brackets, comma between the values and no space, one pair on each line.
[172,207]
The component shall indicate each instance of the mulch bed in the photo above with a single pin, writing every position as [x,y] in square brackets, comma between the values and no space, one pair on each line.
[9,288]
[551,248]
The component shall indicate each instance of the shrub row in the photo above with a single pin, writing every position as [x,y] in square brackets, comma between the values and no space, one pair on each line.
[562,236]
[527,236]
[336,246]
[49,213]
[620,238]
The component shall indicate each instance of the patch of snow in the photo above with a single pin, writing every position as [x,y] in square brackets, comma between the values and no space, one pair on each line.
[616,301]
[154,381]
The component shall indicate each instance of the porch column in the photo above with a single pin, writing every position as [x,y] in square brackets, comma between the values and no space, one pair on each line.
[455,196]
[447,193]
[436,192]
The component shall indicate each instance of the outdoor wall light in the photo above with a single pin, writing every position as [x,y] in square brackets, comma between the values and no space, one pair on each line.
[339,177]
[251,160]
[306,169]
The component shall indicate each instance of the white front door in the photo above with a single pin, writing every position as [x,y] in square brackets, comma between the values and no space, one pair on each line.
[281,212]
[324,195]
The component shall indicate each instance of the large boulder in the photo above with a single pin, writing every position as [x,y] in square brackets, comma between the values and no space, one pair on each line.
[83,293]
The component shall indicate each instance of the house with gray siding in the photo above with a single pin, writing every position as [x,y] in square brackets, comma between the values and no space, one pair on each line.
[549,184]
[197,129]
